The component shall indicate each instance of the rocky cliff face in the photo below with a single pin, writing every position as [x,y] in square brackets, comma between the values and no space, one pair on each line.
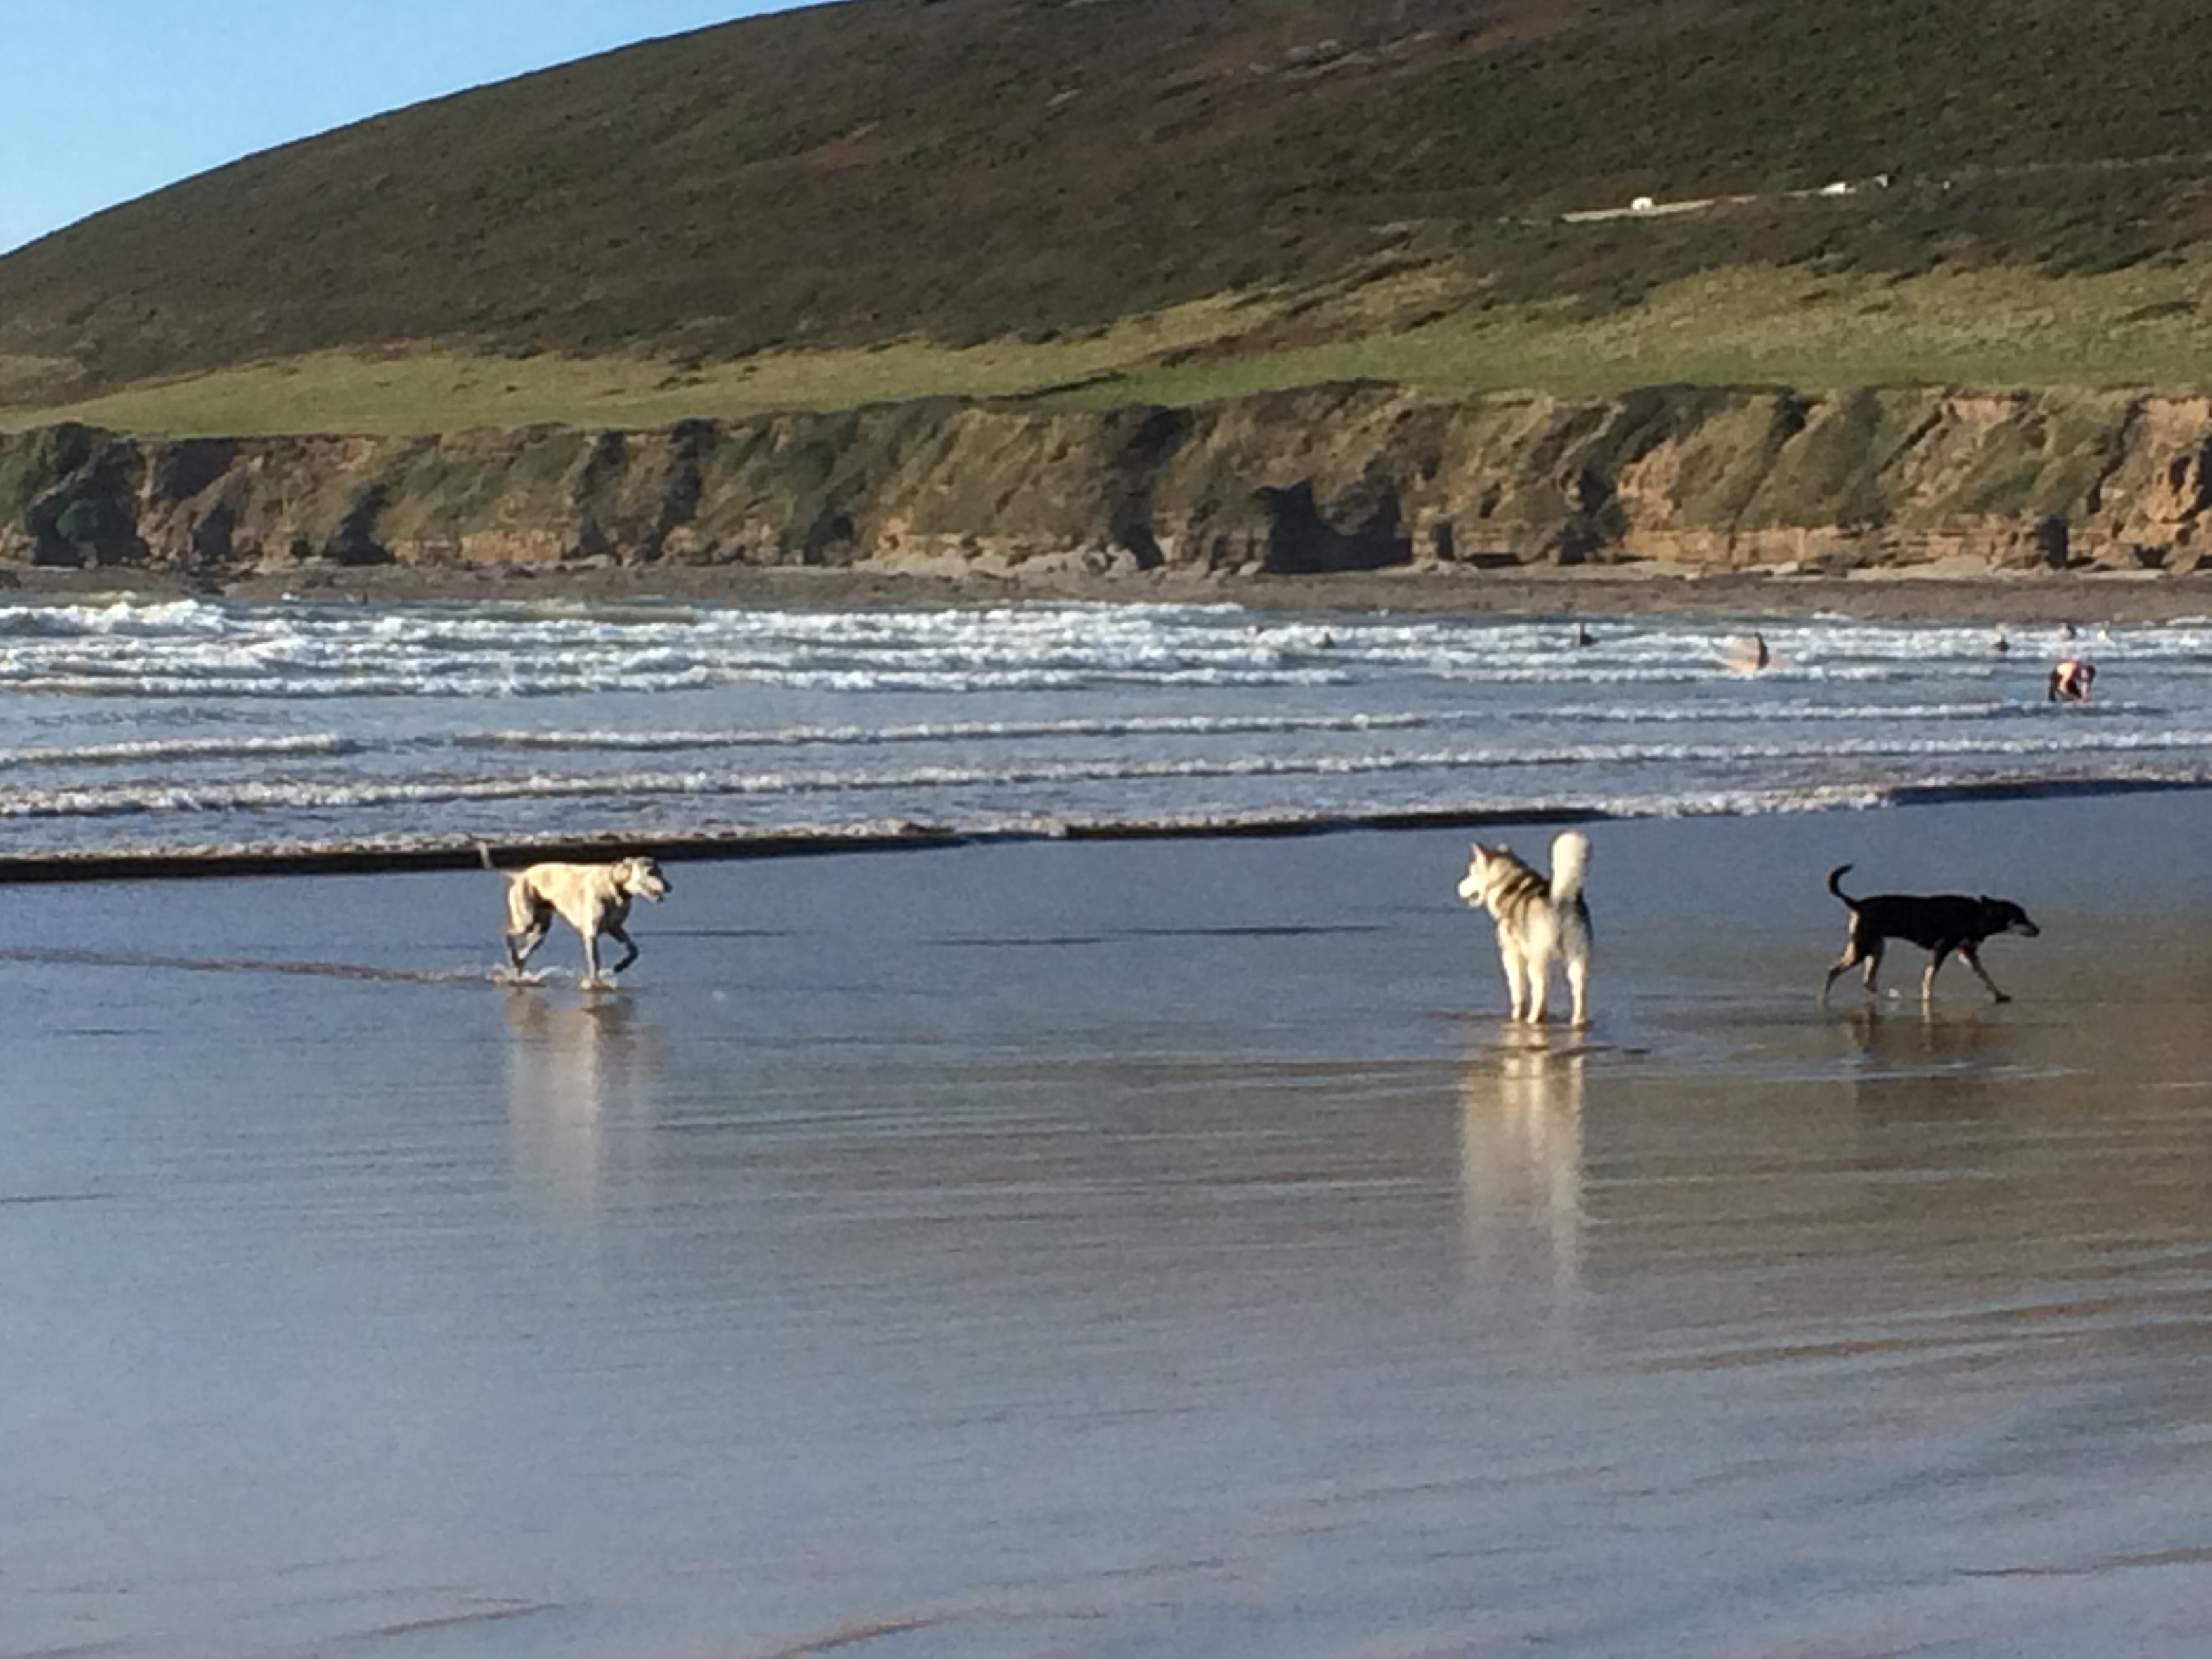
[1344,477]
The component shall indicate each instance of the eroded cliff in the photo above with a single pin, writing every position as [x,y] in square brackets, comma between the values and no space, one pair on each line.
[1331,479]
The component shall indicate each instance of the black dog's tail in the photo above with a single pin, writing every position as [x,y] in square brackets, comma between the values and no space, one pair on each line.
[1835,880]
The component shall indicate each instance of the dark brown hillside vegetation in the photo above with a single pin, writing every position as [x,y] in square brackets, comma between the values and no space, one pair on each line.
[962,169]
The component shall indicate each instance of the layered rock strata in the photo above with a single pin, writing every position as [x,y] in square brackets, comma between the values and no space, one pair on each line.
[1324,479]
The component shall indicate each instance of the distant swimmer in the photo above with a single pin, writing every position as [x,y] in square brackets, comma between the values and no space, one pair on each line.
[1748,656]
[2071,681]
[2066,630]
[1583,637]
[2001,644]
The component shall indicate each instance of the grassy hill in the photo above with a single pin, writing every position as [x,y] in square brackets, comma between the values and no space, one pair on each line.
[1100,201]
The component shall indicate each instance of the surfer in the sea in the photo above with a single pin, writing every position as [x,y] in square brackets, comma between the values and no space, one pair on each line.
[1749,656]
[2071,681]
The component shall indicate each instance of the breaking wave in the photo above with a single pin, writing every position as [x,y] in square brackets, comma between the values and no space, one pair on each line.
[341,720]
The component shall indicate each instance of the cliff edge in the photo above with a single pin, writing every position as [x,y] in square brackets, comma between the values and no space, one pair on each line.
[1327,479]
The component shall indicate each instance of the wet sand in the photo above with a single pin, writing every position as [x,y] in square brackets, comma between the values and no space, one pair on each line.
[1117,1249]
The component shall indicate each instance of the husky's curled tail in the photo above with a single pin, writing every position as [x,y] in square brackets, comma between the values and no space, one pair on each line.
[1570,869]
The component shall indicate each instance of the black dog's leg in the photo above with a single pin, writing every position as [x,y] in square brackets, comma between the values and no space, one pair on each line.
[1927,979]
[1974,961]
[629,946]
[1857,949]
[1848,961]
[1872,956]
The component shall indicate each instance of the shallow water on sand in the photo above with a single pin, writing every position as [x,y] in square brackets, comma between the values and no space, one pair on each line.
[1127,1249]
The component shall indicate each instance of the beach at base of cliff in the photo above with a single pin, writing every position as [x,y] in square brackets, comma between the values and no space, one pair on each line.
[1159,1247]
[1955,590]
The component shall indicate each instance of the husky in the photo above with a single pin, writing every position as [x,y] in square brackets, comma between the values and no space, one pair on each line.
[1941,924]
[592,899]
[1539,921]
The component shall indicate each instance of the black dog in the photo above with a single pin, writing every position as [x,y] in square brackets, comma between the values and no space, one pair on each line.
[1939,923]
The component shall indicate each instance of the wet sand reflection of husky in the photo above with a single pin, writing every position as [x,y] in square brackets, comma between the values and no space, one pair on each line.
[1541,920]
[1520,1159]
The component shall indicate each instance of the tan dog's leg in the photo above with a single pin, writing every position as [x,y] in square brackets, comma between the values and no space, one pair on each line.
[589,932]
[615,931]
[529,919]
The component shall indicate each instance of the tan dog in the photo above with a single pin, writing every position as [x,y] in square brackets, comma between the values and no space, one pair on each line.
[592,898]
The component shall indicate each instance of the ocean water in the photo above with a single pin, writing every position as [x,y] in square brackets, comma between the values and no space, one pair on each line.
[203,722]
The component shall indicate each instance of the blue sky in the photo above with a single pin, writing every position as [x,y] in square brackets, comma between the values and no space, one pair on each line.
[107,100]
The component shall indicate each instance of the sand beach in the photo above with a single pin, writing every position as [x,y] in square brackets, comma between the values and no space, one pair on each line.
[1052,525]
[1158,1247]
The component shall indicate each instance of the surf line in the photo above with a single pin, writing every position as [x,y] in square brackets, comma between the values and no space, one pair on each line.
[43,957]
[381,855]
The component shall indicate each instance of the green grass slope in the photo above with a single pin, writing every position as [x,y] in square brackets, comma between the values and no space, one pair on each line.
[1116,199]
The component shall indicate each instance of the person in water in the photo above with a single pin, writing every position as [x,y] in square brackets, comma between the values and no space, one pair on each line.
[2071,681]
[1749,656]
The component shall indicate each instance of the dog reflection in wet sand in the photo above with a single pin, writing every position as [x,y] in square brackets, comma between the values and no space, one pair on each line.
[1941,924]
[1521,1155]
[568,1067]
[592,898]
[1541,920]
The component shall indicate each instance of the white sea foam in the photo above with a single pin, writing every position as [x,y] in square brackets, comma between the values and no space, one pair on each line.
[371,721]
[945,732]
[153,751]
[1501,768]
[210,649]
